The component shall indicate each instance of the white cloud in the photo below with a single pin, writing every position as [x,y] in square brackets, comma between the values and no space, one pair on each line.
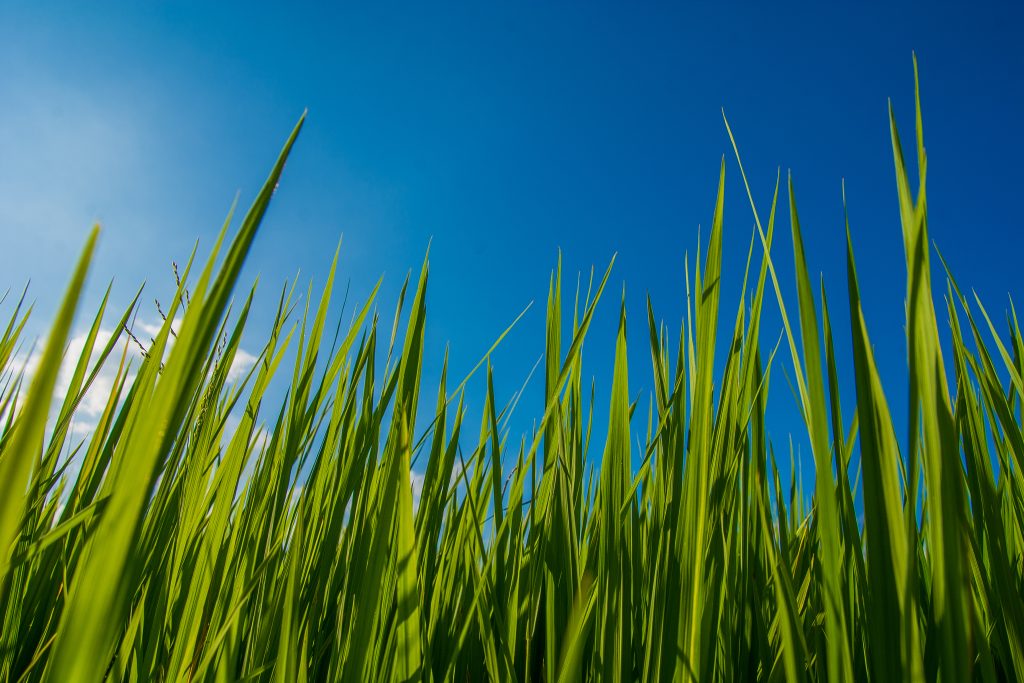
[147,331]
[93,403]
[457,474]
[240,364]
[417,487]
[82,429]
[260,439]
[95,400]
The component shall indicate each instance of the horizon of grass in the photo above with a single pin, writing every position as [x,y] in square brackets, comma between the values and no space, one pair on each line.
[174,544]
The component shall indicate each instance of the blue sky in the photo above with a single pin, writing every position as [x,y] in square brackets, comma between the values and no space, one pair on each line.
[504,132]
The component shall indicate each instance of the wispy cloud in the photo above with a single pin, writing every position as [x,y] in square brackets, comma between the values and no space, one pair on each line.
[69,153]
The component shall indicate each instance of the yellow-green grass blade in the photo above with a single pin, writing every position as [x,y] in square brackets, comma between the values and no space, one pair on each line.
[931,417]
[814,407]
[409,652]
[80,651]
[895,646]
[22,450]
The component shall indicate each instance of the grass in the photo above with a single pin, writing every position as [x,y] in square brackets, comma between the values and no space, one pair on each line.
[170,547]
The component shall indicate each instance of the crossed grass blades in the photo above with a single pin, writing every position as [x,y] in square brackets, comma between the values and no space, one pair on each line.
[178,550]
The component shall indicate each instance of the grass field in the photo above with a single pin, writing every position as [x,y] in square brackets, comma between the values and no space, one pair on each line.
[286,545]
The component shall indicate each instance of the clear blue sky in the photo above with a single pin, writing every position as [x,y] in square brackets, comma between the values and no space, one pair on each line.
[505,131]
